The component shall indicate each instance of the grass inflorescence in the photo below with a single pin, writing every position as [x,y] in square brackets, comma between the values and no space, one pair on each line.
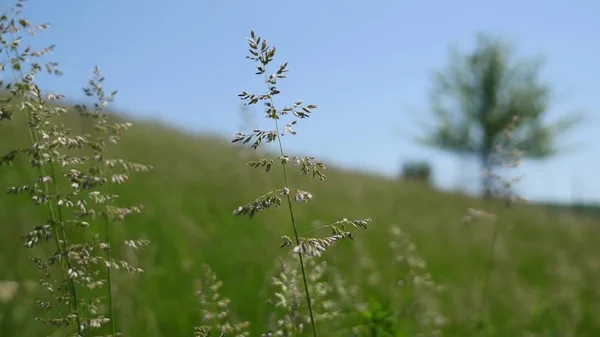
[263,55]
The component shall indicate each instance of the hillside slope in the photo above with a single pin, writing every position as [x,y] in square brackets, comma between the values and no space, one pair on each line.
[545,278]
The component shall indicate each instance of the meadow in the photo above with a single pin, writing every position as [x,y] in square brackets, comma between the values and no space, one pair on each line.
[544,282]
[418,269]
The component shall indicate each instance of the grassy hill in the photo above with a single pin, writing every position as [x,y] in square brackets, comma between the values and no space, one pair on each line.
[544,281]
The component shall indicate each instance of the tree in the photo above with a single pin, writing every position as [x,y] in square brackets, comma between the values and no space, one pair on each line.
[478,95]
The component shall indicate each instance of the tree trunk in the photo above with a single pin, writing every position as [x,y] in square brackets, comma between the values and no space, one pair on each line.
[486,180]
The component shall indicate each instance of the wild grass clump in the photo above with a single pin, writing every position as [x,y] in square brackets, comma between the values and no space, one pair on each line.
[290,315]
[215,309]
[72,175]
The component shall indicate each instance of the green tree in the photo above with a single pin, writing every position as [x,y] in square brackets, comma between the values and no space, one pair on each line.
[478,94]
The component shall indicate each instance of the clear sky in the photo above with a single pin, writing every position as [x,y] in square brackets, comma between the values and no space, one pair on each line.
[366,64]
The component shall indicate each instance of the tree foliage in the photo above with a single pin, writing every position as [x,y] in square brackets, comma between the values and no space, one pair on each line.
[478,94]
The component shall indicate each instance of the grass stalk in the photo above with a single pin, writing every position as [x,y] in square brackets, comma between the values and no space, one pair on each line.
[107,238]
[296,236]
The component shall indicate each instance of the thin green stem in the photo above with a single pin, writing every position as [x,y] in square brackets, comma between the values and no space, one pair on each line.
[297,238]
[65,249]
[293,220]
[111,305]
[295,228]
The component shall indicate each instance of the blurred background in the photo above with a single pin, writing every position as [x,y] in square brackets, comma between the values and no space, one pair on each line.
[370,67]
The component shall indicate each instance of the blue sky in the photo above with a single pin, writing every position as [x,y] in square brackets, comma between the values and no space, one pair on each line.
[367,65]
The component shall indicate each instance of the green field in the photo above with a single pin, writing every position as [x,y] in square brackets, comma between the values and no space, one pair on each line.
[544,281]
